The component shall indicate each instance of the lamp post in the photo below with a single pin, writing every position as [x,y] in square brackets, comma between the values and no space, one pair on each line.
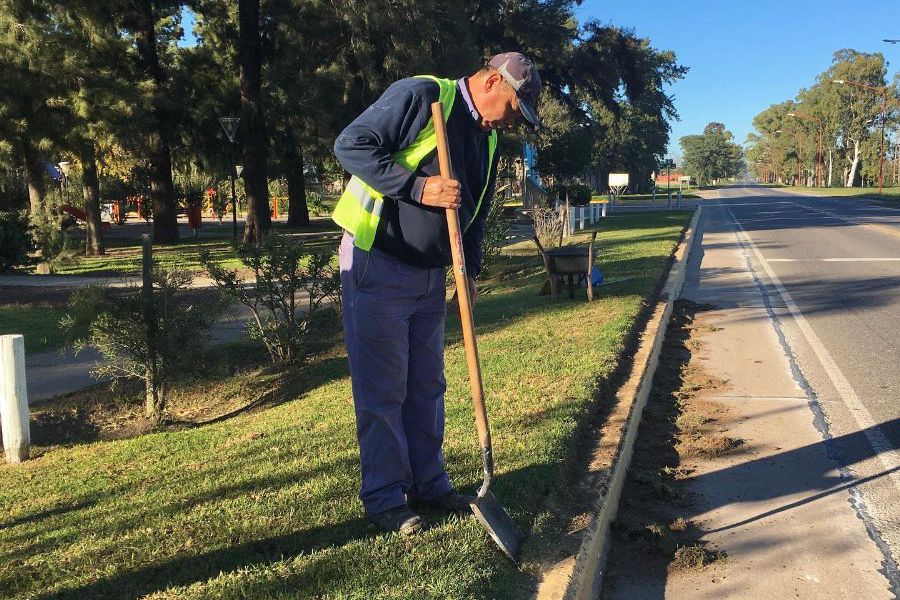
[800,115]
[230,124]
[882,90]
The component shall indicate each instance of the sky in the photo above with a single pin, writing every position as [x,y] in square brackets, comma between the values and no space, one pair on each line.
[747,55]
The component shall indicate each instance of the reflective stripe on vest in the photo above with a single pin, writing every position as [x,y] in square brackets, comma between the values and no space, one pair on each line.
[359,208]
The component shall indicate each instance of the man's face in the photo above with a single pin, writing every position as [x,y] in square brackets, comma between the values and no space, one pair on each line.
[500,105]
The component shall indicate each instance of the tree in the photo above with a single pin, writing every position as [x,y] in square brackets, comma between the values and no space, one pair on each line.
[253,123]
[712,155]
[141,20]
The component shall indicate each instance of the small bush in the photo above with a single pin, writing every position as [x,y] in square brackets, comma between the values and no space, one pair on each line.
[157,354]
[52,242]
[289,286]
[495,229]
[548,226]
[579,195]
[15,240]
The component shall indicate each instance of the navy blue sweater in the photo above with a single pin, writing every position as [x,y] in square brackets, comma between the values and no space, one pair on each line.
[412,232]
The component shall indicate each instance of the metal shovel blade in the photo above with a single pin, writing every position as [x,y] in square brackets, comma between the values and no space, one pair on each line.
[499,524]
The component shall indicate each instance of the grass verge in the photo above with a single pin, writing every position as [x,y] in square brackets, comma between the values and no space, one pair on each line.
[888,193]
[39,324]
[262,502]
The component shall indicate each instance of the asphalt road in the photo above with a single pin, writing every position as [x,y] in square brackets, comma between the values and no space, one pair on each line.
[831,271]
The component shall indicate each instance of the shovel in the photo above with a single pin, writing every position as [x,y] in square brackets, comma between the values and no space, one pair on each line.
[486,507]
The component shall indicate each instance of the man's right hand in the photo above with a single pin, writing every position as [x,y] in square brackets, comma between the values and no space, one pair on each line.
[441,192]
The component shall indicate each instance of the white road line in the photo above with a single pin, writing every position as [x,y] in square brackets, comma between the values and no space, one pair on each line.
[771,260]
[887,456]
[877,226]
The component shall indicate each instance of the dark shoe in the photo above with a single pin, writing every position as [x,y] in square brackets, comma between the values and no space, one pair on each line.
[452,501]
[400,519]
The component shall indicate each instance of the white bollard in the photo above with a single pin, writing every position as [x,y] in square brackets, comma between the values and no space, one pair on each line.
[571,222]
[14,399]
[582,213]
[603,210]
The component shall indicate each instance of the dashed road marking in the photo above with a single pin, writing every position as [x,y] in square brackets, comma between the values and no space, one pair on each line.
[884,453]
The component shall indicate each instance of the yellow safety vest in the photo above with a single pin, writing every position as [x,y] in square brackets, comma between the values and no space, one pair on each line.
[359,209]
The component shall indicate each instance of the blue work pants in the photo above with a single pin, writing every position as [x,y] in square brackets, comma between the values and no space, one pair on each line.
[394,333]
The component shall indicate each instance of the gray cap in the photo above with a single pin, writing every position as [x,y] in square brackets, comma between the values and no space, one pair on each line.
[521,74]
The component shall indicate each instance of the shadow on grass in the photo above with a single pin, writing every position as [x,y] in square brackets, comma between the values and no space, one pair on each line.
[188,568]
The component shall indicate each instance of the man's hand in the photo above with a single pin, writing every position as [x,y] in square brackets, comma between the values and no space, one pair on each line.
[441,192]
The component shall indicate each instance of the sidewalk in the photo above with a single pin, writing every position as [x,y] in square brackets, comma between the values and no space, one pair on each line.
[61,371]
[779,508]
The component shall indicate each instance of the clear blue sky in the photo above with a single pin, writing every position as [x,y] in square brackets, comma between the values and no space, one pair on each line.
[747,55]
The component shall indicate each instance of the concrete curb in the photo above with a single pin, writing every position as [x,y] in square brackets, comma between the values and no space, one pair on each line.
[586,570]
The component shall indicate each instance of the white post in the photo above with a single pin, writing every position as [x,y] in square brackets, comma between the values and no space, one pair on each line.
[603,213]
[571,221]
[653,200]
[14,399]
[582,212]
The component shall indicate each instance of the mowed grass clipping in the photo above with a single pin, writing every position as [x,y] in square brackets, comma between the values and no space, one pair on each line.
[264,505]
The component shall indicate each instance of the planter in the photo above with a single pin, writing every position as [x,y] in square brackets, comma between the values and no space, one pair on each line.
[195,216]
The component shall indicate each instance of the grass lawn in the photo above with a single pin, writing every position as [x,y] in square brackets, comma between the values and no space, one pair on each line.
[641,199]
[888,193]
[123,256]
[39,325]
[264,504]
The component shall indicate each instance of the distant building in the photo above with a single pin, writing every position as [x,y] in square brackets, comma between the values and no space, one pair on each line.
[672,178]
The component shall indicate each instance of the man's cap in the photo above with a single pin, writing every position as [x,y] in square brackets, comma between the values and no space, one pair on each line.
[521,74]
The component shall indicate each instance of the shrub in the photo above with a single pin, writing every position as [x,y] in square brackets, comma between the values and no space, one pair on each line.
[579,194]
[282,270]
[53,244]
[495,229]
[548,226]
[157,354]
[15,240]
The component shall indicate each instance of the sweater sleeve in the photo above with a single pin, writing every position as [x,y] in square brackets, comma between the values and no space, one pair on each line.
[474,235]
[365,147]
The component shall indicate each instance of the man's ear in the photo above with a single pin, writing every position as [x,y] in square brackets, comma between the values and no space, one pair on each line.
[492,80]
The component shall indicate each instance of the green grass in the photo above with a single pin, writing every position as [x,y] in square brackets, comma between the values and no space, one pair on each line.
[123,257]
[888,193]
[39,325]
[642,199]
[264,505]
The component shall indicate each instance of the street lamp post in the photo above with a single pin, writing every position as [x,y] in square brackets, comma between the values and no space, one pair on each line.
[882,90]
[800,115]
[230,124]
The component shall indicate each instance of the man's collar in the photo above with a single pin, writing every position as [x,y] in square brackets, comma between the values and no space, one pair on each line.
[464,88]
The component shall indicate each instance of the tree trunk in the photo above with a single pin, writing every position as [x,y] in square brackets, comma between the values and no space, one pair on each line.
[162,192]
[34,178]
[853,165]
[155,399]
[830,166]
[90,188]
[259,220]
[298,211]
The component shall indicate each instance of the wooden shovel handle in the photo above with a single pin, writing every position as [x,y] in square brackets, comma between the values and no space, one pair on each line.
[462,287]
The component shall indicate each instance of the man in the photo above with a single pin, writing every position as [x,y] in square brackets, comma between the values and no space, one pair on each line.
[393,260]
